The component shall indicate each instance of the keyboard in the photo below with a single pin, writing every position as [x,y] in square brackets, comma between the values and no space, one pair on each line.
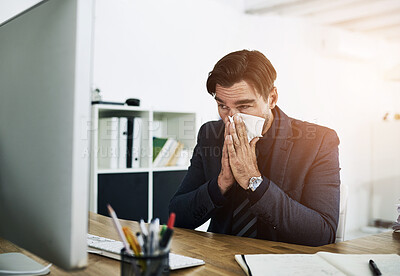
[112,248]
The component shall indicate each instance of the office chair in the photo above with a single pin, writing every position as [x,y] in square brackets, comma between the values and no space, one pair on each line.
[342,213]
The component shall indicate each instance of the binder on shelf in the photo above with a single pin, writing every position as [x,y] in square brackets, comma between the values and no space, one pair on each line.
[108,141]
[134,140]
[123,142]
[129,141]
[137,142]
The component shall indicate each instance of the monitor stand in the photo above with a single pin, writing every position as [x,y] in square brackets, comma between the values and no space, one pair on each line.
[17,263]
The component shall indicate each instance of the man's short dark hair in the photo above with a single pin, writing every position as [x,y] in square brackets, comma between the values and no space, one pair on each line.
[250,66]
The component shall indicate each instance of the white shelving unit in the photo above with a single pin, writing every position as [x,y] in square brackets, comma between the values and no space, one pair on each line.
[181,126]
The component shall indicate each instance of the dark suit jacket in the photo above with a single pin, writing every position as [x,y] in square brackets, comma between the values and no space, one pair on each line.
[301,202]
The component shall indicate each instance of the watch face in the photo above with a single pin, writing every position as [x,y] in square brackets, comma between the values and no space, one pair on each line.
[254,183]
[251,186]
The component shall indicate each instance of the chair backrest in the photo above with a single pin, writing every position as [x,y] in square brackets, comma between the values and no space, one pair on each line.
[342,213]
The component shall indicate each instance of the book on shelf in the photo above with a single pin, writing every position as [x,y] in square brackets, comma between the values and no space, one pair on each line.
[175,155]
[158,144]
[321,263]
[108,143]
[166,151]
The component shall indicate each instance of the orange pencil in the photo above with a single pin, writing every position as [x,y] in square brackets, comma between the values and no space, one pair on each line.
[132,240]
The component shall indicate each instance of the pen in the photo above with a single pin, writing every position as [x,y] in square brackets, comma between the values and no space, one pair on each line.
[151,241]
[156,237]
[163,228]
[171,220]
[143,228]
[374,268]
[153,236]
[166,238]
[140,240]
[145,234]
[134,244]
[119,229]
[132,240]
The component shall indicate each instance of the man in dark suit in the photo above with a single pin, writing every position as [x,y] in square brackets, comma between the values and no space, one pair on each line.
[281,187]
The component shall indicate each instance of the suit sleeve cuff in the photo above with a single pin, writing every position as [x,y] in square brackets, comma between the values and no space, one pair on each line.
[215,193]
[259,192]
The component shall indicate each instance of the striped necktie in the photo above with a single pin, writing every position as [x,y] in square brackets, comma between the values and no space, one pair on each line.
[244,222]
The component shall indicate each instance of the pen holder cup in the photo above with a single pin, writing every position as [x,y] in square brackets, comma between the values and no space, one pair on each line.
[157,265]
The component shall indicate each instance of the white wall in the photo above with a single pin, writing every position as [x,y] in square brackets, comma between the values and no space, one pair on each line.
[161,52]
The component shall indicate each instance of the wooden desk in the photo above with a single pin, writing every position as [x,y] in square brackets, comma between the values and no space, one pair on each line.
[216,250]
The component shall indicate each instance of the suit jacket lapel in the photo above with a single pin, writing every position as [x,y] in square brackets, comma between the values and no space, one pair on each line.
[281,149]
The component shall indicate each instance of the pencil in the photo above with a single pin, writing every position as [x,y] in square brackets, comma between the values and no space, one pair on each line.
[132,240]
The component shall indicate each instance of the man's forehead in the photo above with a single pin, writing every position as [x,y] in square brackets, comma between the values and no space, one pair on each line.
[237,94]
[241,85]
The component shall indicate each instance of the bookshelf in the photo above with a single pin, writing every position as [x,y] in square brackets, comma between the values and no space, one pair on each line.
[144,191]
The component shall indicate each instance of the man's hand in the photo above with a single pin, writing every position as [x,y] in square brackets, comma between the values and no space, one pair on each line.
[242,155]
[225,178]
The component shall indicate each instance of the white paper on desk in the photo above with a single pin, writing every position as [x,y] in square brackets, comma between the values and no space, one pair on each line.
[321,263]
[358,264]
[254,125]
[289,264]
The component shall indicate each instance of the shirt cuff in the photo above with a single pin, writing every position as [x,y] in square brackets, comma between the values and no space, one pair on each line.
[259,192]
[215,193]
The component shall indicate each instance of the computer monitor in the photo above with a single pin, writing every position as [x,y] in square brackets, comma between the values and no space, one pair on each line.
[45,78]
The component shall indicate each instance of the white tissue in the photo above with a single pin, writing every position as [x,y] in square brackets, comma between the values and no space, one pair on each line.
[254,125]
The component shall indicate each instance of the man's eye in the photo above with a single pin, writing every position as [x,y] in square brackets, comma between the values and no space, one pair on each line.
[222,106]
[244,106]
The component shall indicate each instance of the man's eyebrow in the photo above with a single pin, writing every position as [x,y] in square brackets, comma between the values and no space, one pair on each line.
[218,99]
[246,101]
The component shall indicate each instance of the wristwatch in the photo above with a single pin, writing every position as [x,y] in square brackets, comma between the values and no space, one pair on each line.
[254,182]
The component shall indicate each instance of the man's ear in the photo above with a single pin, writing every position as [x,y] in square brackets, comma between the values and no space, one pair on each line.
[273,98]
